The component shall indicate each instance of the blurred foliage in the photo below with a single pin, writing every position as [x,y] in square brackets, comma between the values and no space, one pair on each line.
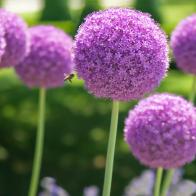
[89,7]
[167,10]
[150,6]
[180,11]
[179,1]
[55,10]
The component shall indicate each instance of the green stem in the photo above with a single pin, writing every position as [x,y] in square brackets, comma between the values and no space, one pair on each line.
[111,149]
[193,90]
[167,182]
[38,146]
[158,181]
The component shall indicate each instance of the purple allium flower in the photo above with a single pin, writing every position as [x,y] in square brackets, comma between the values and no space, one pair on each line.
[183,188]
[177,176]
[91,191]
[49,58]
[142,185]
[16,37]
[120,53]
[161,131]
[183,43]
[51,188]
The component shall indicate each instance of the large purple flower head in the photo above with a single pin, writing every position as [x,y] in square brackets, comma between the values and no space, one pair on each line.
[49,60]
[120,53]
[16,37]
[161,131]
[183,43]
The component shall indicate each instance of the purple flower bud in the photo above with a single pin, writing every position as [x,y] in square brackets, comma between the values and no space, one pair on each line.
[183,43]
[16,37]
[161,131]
[121,54]
[49,58]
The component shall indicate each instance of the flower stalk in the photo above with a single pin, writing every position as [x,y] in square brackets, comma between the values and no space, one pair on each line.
[111,149]
[167,182]
[39,145]
[158,181]
[193,90]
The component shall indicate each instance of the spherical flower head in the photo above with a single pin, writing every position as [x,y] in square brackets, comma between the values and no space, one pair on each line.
[161,131]
[16,37]
[49,60]
[183,43]
[120,53]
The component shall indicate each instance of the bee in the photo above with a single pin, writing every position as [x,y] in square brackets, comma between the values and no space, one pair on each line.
[69,78]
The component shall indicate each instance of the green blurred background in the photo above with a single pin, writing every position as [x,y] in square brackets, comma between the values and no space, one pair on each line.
[77,123]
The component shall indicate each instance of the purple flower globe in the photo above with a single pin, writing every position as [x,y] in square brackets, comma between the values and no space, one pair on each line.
[183,43]
[49,60]
[16,37]
[161,131]
[121,54]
